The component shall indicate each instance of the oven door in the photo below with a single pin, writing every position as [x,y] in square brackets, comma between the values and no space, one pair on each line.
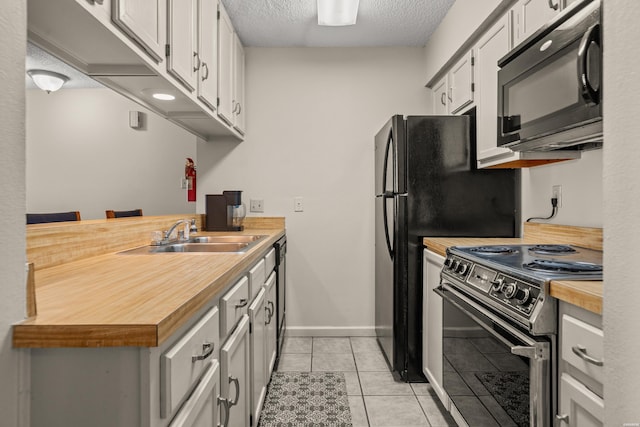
[494,373]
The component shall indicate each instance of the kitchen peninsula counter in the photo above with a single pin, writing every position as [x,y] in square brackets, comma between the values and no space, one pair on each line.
[114,299]
[586,294]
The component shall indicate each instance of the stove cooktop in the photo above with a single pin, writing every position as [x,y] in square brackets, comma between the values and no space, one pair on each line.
[541,262]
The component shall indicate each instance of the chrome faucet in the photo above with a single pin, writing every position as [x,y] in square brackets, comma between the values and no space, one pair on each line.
[167,234]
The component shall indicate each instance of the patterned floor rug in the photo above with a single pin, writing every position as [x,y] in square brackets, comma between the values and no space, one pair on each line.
[511,391]
[316,399]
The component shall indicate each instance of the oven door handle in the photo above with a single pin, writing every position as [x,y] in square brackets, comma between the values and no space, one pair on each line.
[534,350]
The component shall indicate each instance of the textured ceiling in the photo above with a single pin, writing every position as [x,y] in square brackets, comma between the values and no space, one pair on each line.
[288,23]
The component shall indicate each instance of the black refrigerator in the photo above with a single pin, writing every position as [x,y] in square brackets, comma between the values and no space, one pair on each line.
[427,184]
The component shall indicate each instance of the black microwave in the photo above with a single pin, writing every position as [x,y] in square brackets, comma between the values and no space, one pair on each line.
[550,86]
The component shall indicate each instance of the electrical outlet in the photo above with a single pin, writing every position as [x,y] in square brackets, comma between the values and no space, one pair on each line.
[256,205]
[556,193]
[298,204]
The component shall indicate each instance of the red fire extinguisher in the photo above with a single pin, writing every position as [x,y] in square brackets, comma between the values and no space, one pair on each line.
[190,176]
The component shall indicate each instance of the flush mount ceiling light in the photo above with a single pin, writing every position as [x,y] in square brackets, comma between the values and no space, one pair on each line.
[337,12]
[47,80]
[164,96]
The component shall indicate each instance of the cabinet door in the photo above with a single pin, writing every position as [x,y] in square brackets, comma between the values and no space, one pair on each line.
[257,345]
[225,66]
[201,409]
[238,85]
[183,61]
[530,15]
[208,51]
[143,21]
[432,324]
[460,93]
[579,407]
[272,327]
[234,374]
[440,101]
[491,47]
[233,305]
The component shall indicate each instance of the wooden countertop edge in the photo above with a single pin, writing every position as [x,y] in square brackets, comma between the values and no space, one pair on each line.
[29,335]
[584,294]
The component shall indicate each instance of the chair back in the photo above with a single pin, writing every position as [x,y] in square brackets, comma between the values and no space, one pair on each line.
[41,218]
[123,214]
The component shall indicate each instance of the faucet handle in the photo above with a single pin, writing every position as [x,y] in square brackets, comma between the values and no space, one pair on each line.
[193,228]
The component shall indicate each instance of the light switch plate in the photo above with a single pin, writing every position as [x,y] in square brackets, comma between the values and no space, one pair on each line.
[298,204]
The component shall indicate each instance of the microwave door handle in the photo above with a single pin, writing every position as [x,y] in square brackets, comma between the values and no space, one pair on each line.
[588,92]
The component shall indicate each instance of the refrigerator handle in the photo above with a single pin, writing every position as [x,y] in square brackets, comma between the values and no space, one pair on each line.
[385,198]
[386,195]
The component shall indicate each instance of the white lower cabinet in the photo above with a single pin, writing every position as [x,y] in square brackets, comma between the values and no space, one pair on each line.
[432,324]
[201,409]
[235,375]
[257,340]
[581,368]
[272,330]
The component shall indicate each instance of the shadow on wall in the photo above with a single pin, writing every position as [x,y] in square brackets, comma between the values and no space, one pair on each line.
[212,154]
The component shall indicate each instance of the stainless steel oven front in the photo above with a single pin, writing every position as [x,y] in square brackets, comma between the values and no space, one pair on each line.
[495,372]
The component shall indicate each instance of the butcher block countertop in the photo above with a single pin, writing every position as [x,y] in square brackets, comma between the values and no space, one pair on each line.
[586,294]
[131,300]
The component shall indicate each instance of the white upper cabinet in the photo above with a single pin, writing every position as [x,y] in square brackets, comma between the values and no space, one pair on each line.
[440,100]
[530,15]
[492,46]
[238,85]
[208,52]
[183,61]
[460,93]
[143,21]
[230,74]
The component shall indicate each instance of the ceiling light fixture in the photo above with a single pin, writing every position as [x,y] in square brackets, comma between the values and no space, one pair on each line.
[164,96]
[337,12]
[47,80]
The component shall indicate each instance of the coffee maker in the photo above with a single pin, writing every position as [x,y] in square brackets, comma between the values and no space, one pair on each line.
[225,212]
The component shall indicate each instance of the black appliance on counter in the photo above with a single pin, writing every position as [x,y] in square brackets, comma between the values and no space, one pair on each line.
[500,329]
[225,212]
[426,184]
[281,291]
[549,87]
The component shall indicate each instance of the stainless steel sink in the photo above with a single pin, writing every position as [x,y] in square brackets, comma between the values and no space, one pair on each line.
[226,239]
[206,244]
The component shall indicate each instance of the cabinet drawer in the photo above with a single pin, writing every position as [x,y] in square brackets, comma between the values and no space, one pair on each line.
[579,405]
[233,305]
[256,278]
[184,362]
[202,406]
[582,347]
[270,261]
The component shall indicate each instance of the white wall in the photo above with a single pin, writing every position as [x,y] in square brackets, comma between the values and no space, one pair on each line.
[13,16]
[581,182]
[621,88]
[311,117]
[82,155]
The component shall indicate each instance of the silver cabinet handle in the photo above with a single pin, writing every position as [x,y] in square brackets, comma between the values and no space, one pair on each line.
[581,352]
[268,319]
[443,100]
[196,58]
[243,303]
[450,94]
[239,108]
[561,419]
[207,350]
[205,67]
[225,404]
[237,383]
[273,310]
[553,6]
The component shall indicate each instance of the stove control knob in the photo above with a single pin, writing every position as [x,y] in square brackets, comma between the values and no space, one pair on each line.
[510,290]
[522,296]
[462,268]
[447,262]
[497,285]
[455,264]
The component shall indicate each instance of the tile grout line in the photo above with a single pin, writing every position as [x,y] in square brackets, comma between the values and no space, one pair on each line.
[364,403]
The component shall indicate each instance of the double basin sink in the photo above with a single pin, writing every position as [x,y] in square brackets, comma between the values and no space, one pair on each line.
[209,244]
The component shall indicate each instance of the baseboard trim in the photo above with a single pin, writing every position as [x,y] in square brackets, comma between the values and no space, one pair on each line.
[330,331]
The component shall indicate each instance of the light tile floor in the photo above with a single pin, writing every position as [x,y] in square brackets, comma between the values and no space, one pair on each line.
[375,398]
